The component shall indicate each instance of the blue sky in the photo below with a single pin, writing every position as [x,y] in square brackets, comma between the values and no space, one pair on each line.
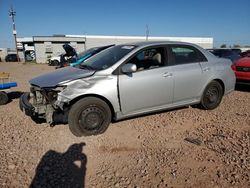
[227,21]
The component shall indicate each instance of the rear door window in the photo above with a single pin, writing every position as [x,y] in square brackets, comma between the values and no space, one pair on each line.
[183,54]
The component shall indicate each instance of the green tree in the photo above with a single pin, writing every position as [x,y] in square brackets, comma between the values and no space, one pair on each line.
[236,46]
[223,46]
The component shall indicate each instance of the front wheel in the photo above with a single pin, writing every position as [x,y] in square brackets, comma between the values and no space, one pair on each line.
[212,96]
[89,116]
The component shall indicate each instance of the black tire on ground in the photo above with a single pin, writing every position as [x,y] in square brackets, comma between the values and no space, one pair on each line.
[3,98]
[89,116]
[212,96]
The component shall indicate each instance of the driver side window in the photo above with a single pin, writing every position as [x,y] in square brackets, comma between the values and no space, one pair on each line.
[149,59]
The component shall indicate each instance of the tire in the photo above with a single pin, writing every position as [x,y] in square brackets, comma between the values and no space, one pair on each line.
[3,98]
[89,116]
[54,63]
[212,96]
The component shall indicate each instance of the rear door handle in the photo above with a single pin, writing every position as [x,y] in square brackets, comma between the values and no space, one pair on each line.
[167,74]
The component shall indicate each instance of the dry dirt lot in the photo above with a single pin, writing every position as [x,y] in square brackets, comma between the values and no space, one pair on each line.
[149,151]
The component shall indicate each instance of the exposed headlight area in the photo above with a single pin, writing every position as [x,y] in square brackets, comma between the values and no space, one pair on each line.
[44,102]
[45,96]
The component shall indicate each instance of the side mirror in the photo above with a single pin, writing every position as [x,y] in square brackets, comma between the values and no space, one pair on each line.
[129,68]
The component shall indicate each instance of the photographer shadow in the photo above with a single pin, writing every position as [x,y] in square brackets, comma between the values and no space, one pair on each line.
[66,169]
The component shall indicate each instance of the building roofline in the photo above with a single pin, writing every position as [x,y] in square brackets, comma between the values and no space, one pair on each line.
[199,40]
[57,38]
[184,39]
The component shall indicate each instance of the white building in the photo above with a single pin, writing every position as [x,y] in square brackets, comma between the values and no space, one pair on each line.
[95,40]
[47,46]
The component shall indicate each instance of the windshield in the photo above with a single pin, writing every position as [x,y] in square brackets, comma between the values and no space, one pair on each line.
[89,51]
[107,58]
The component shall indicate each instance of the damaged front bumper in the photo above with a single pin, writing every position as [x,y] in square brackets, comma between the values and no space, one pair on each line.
[45,111]
[25,105]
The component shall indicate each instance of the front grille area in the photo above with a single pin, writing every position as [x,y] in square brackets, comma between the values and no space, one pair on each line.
[37,96]
[243,69]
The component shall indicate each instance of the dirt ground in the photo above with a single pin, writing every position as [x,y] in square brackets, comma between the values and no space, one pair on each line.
[187,147]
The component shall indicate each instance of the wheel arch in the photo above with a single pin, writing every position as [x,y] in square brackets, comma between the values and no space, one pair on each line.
[221,83]
[97,96]
[217,80]
[205,86]
[208,103]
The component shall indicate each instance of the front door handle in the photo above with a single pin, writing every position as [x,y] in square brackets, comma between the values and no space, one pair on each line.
[167,74]
[206,69]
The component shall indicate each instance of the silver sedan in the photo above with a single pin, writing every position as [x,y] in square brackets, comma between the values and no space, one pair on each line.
[129,80]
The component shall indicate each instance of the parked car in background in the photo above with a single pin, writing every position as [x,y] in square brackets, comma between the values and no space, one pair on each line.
[68,56]
[245,54]
[29,55]
[232,54]
[71,58]
[129,80]
[11,58]
[88,53]
[54,61]
[242,70]
[237,50]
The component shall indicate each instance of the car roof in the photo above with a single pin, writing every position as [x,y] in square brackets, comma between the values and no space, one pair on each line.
[232,49]
[150,43]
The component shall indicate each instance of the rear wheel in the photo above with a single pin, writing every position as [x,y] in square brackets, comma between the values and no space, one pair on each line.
[89,116]
[3,98]
[212,96]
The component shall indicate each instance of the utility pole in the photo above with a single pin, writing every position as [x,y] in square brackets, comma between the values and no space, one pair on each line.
[147,32]
[12,14]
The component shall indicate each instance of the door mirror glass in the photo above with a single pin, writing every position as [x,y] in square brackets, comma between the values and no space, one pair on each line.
[129,68]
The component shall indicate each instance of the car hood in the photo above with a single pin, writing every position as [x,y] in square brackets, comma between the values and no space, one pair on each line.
[52,79]
[70,51]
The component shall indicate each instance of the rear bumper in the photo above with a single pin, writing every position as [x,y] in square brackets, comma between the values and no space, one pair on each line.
[242,75]
[243,81]
[25,105]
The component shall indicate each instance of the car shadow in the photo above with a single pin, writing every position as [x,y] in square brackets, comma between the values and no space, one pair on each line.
[242,87]
[13,95]
[66,169]
[38,120]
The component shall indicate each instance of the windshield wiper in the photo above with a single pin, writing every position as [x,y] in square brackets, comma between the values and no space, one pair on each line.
[86,67]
